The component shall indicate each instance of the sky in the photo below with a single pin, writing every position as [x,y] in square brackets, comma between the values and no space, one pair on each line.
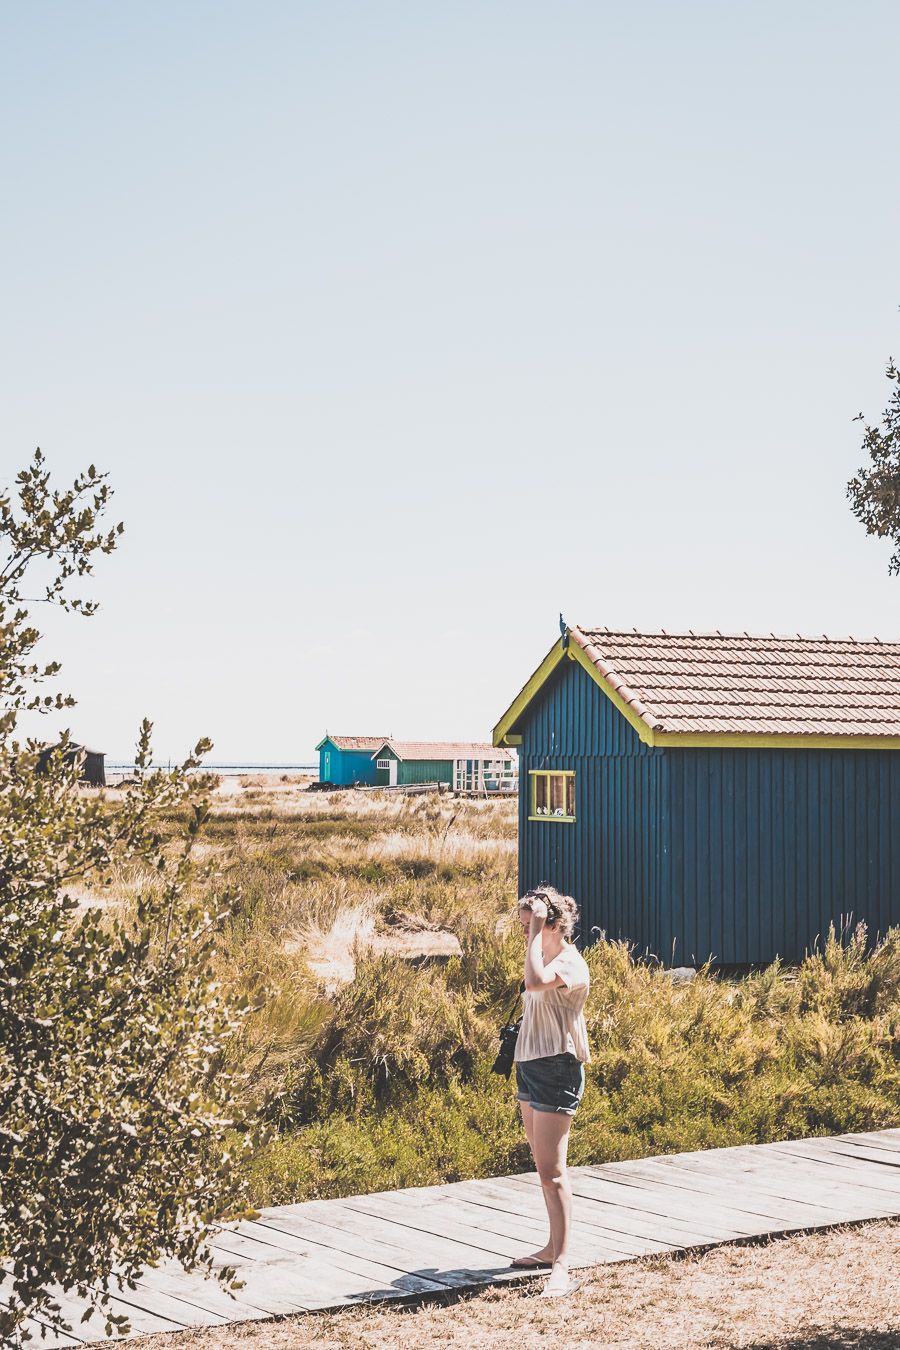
[401,328]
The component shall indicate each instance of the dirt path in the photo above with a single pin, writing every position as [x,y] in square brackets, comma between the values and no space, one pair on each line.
[815,1292]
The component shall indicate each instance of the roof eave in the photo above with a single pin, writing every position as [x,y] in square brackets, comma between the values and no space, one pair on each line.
[504,732]
[773,740]
[574,647]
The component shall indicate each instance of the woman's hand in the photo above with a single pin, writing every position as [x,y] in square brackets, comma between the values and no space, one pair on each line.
[538,913]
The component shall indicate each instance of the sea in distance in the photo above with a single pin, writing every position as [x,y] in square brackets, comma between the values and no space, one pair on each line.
[117,768]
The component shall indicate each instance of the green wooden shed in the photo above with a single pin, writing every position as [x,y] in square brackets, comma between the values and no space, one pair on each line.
[449,763]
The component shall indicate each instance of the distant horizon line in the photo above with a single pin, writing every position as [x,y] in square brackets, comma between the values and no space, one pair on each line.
[114,763]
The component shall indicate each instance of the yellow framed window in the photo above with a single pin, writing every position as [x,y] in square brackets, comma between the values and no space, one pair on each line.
[552,794]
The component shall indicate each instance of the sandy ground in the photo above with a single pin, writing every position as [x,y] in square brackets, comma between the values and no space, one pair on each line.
[835,1289]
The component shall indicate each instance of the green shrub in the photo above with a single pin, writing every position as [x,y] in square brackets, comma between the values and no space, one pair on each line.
[402,1027]
[451,1132]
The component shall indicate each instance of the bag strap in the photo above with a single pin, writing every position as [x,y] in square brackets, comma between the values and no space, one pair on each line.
[519,993]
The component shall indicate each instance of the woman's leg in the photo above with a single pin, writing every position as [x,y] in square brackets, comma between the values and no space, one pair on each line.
[549,1144]
[527,1118]
[545,1255]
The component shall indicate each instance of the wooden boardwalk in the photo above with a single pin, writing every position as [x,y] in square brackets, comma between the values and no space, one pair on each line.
[326,1254]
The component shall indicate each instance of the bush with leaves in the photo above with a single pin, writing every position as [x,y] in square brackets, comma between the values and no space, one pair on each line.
[875,491]
[114,1099]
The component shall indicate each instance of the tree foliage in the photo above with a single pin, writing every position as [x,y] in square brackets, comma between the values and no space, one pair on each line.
[114,1100]
[875,491]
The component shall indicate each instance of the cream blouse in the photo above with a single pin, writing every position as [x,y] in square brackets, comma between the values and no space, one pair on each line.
[553,1021]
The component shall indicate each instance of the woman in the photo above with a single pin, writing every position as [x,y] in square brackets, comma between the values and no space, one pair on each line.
[551,1052]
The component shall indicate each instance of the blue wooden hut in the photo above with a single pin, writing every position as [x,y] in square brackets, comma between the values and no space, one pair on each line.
[705,795]
[344,760]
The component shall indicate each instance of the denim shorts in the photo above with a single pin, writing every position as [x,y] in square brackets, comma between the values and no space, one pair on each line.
[554,1083]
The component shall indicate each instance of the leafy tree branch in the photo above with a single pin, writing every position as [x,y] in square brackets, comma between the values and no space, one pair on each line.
[875,491]
[115,1095]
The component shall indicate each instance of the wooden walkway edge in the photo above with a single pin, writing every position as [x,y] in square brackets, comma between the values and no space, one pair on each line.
[400,1245]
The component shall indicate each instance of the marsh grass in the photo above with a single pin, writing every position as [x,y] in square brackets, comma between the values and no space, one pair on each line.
[373,1069]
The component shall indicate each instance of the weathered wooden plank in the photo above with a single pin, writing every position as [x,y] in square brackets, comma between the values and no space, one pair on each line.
[666,1232]
[698,1229]
[406,1262]
[678,1210]
[883,1162]
[37,1330]
[155,1302]
[876,1157]
[511,1200]
[876,1138]
[789,1176]
[339,1240]
[285,1285]
[435,1225]
[521,1226]
[816,1165]
[447,1263]
[42,1333]
[674,1205]
[279,1245]
[678,1196]
[311,1287]
[591,1217]
[420,1219]
[195,1290]
[446,1214]
[93,1328]
[528,1233]
[765,1192]
[859,1193]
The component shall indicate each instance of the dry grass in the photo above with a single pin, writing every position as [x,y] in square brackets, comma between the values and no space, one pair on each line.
[368,928]
[814,1292]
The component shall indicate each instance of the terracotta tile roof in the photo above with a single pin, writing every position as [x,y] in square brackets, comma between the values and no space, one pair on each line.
[714,682]
[356,742]
[445,750]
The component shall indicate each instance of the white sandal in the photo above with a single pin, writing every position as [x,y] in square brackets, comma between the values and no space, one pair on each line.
[570,1288]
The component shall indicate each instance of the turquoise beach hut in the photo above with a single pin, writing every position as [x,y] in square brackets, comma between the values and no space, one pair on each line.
[344,760]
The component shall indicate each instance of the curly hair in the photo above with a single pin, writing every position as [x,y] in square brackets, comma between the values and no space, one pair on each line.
[562,911]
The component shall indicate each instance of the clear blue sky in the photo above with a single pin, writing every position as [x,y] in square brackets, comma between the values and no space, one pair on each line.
[401,327]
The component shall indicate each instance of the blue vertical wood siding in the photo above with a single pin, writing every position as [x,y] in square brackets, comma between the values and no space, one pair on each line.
[347,766]
[738,855]
[609,858]
[771,847]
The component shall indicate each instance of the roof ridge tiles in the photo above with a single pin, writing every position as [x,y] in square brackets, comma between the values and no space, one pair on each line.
[745,635]
[715,682]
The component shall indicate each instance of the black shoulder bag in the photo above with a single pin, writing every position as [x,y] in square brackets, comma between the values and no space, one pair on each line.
[509,1034]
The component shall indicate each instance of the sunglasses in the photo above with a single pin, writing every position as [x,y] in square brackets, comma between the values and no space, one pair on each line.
[552,911]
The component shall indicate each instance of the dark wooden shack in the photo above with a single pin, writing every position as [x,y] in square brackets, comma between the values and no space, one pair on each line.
[93,767]
[712,796]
